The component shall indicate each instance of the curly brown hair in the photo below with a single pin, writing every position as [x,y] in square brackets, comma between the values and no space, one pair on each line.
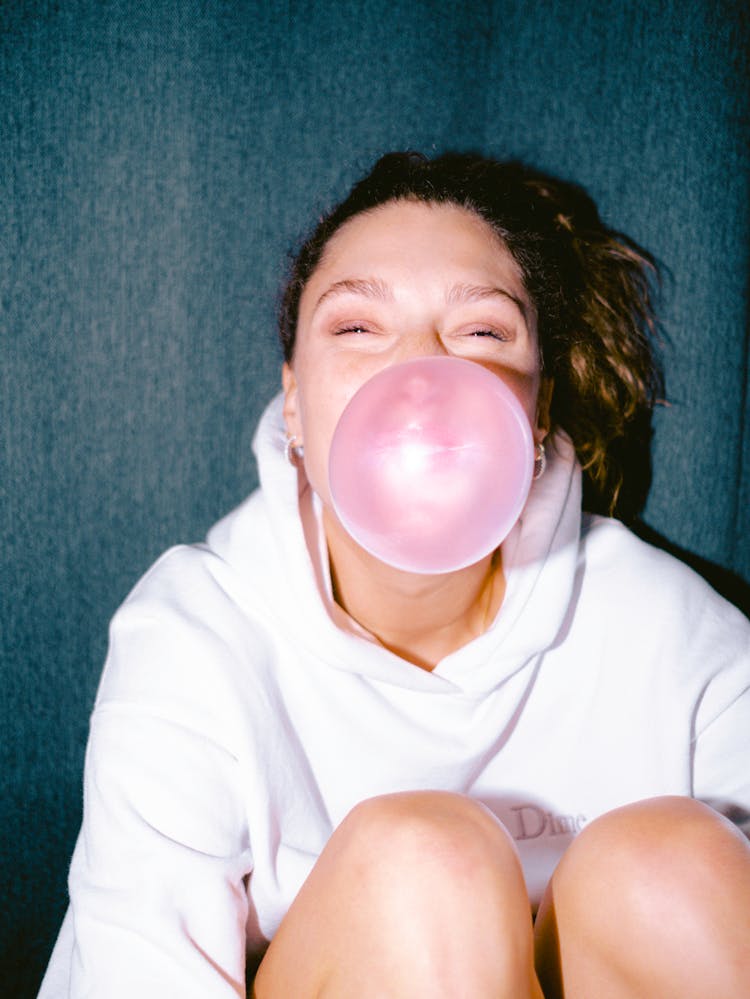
[592,288]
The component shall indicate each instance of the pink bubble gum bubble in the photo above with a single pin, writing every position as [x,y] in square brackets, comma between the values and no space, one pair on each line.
[431,463]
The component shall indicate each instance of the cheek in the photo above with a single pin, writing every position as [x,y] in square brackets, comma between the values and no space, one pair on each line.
[321,403]
[328,385]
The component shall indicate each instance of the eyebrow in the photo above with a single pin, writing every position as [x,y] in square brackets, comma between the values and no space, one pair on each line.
[379,290]
[369,287]
[460,293]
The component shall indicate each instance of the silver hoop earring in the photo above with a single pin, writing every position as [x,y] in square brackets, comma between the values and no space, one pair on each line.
[540,461]
[292,452]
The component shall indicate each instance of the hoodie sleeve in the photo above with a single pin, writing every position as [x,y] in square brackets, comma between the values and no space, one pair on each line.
[158,899]
[158,881]
[722,762]
[721,741]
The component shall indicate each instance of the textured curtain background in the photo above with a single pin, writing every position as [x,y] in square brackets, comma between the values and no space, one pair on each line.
[157,162]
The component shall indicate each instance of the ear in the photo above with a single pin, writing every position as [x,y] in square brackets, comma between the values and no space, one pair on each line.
[291,404]
[543,409]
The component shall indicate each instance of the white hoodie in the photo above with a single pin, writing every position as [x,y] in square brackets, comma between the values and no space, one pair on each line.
[241,715]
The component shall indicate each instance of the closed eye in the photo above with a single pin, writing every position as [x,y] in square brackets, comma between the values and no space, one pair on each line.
[493,334]
[353,328]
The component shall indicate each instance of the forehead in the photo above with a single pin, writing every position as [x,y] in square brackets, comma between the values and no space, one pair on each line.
[396,230]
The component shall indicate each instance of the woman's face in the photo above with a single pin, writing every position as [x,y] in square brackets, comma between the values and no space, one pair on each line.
[406,280]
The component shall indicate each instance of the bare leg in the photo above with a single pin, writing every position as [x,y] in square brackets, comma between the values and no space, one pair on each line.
[416,894]
[651,900]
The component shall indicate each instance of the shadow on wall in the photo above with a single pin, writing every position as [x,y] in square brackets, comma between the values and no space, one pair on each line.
[634,453]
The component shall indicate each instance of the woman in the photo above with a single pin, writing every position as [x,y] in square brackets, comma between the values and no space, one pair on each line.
[387,774]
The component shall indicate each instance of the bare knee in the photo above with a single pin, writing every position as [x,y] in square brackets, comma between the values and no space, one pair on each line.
[432,851]
[653,852]
[415,894]
[658,892]
[441,878]
[423,830]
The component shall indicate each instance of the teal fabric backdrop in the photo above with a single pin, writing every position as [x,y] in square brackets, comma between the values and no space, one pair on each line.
[157,162]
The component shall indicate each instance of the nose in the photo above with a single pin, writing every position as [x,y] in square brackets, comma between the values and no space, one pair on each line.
[422,343]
